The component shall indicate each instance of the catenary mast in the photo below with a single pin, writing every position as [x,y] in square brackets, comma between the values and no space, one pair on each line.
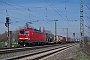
[81,25]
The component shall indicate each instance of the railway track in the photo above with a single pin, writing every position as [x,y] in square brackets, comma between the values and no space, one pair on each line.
[10,50]
[4,53]
[41,54]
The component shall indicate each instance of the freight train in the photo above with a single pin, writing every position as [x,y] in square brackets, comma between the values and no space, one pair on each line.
[30,36]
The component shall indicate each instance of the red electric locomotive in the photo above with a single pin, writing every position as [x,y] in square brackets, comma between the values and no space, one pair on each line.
[28,36]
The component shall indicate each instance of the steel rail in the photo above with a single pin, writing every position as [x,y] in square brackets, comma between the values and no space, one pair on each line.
[39,52]
[4,51]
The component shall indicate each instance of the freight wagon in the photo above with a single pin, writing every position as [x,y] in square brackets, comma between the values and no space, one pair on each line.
[62,39]
[49,38]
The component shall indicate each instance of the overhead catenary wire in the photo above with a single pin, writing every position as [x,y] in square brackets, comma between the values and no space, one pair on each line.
[46,22]
[10,16]
[87,24]
[60,2]
[22,7]
[87,14]
[56,10]
[87,7]
[87,32]
[18,9]
[22,11]
[66,10]
[29,8]
[52,7]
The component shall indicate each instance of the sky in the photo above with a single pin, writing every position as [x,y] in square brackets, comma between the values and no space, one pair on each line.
[42,13]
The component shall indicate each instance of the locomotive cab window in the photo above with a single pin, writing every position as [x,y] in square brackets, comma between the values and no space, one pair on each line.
[23,32]
[26,32]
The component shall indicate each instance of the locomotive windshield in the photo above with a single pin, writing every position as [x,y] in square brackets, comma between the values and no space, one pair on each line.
[23,32]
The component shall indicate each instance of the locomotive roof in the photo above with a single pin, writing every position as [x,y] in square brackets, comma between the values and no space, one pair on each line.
[35,30]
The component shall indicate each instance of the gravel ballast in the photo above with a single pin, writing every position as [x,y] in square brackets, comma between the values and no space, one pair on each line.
[68,54]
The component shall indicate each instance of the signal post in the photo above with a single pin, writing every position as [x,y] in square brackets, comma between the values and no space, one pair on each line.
[8,36]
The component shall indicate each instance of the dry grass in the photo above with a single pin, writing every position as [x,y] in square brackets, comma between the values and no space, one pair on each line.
[87,46]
